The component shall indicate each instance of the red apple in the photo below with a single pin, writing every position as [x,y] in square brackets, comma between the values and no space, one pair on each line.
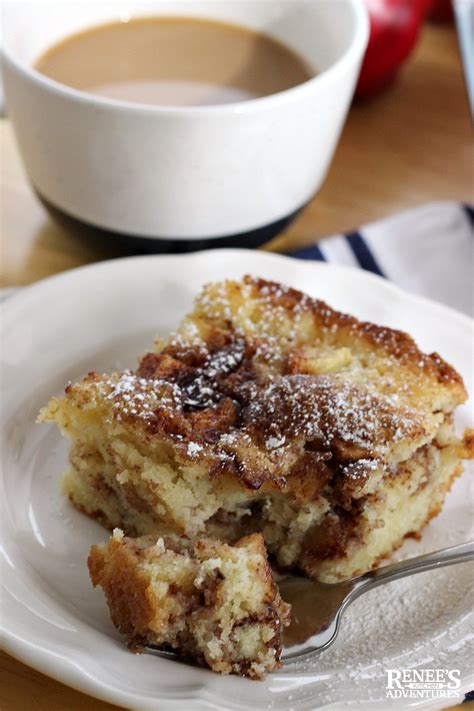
[394,29]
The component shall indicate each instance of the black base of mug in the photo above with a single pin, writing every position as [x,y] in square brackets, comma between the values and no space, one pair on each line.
[121,243]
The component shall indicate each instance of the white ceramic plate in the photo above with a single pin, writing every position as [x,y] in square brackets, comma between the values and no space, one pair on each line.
[103,316]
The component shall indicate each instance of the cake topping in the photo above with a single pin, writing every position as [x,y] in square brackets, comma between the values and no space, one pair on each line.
[326,408]
[323,409]
[259,378]
[194,448]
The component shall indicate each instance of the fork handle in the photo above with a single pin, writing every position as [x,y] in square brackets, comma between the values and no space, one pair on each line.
[448,556]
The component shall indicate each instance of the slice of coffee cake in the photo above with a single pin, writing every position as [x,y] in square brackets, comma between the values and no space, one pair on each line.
[209,601]
[269,411]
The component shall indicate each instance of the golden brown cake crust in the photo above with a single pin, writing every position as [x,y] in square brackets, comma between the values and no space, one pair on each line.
[389,341]
[130,604]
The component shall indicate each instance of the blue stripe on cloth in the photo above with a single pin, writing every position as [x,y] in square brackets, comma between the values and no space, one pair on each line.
[363,254]
[469,210]
[311,252]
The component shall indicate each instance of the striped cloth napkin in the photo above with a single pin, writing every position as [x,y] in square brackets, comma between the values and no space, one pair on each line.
[428,251]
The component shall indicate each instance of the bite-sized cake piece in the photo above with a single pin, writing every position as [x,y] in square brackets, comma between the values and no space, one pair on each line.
[209,601]
[269,411]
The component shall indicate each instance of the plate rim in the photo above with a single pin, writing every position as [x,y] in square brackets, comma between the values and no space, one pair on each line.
[23,292]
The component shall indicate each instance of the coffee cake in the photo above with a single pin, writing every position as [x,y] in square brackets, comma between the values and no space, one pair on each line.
[268,411]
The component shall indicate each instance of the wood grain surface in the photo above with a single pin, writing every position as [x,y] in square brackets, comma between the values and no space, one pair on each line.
[411,145]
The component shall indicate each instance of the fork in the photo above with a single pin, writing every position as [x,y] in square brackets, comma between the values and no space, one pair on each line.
[317,607]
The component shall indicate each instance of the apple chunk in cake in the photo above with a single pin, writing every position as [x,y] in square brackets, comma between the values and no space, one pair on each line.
[206,600]
[268,411]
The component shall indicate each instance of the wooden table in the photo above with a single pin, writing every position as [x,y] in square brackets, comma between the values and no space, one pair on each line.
[411,145]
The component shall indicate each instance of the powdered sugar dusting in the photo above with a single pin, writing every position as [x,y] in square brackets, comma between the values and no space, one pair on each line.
[275,442]
[241,360]
[194,448]
[133,395]
[328,409]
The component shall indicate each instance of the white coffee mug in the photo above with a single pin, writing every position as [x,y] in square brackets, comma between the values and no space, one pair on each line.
[184,174]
